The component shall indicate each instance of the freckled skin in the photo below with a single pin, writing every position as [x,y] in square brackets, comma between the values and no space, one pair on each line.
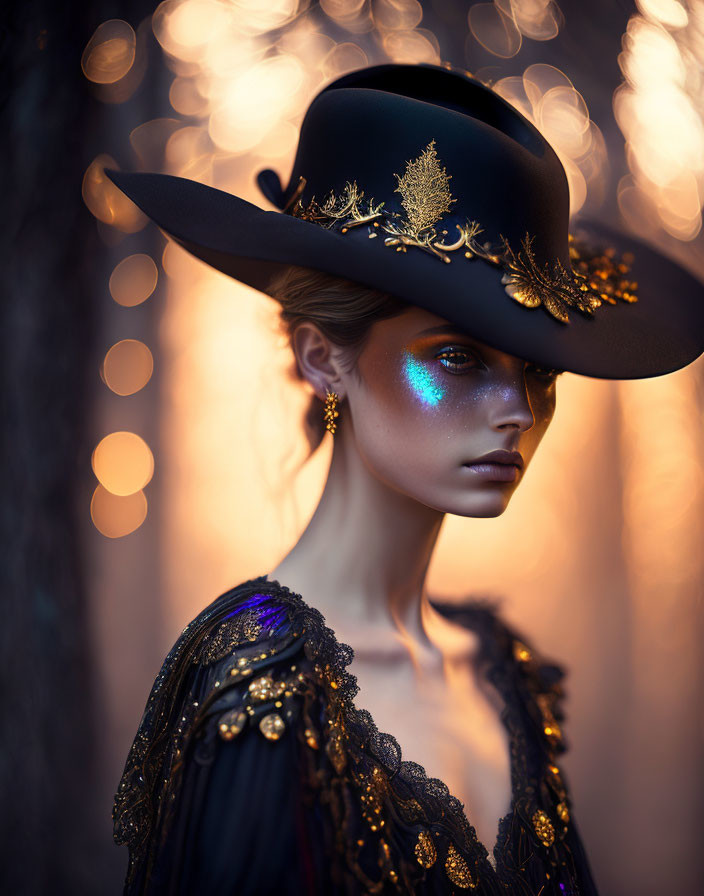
[418,417]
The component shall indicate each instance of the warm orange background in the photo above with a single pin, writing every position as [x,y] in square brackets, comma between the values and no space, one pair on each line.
[599,557]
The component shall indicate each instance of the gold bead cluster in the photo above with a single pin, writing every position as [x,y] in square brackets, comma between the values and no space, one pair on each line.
[425,851]
[330,411]
[543,827]
[458,871]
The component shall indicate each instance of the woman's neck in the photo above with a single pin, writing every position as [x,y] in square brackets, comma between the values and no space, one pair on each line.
[363,558]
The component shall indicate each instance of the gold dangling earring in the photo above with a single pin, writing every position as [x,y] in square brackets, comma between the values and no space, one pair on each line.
[330,412]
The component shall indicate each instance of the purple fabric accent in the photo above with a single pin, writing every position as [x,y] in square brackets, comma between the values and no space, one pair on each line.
[268,617]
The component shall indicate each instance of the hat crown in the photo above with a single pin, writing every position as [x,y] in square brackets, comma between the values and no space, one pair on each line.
[371,127]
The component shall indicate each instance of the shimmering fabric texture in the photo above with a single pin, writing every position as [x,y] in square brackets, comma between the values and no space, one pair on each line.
[254,773]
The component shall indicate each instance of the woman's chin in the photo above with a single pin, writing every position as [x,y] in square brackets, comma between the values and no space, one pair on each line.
[485,505]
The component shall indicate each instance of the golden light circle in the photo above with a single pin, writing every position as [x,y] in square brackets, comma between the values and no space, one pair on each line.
[106,202]
[133,280]
[494,30]
[123,463]
[116,516]
[110,53]
[127,367]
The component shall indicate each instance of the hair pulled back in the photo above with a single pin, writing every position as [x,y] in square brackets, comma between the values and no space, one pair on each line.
[343,310]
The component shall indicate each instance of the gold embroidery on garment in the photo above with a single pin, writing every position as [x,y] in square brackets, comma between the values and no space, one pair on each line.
[458,871]
[543,827]
[521,652]
[595,278]
[563,812]
[425,851]
[372,796]
[551,728]
[231,723]
[272,726]
[265,688]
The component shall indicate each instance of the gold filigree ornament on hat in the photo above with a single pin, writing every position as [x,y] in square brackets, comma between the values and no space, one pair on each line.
[595,278]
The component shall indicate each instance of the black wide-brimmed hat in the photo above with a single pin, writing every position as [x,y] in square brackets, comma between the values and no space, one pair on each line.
[423,183]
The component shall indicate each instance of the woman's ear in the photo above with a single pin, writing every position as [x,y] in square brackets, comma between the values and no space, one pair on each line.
[317,358]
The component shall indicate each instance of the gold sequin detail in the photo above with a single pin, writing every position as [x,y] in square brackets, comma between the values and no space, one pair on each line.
[252,627]
[543,827]
[228,635]
[563,811]
[335,747]
[311,739]
[372,798]
[265,688]
[551,728]
[521,652]
[458,871]
[272,726]
[231,723]
[425,851]
[261,688]
[604,274]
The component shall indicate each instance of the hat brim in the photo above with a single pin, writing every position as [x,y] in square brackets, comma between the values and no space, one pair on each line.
[661,332]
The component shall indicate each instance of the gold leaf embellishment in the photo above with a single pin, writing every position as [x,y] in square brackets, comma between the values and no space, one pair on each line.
[231,723]
[424,188]
[521,652]
[551,728]
[595,278]
[272,726]
[424,850]
[553,286]
[543,827]
[458,871]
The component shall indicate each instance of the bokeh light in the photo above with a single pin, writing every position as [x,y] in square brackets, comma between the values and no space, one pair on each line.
[659,110]
[133,280]
[110,53]
[117,515]
[123,463]
[494,30]
[500,26]
[127,367]
[106,202]
[546,96]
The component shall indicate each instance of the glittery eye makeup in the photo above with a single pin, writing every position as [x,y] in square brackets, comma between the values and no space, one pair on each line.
[424,383]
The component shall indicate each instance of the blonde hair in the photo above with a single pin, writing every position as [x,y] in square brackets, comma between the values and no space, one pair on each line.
[343,310]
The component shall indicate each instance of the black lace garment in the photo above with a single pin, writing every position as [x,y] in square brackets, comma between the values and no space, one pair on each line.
[254,773]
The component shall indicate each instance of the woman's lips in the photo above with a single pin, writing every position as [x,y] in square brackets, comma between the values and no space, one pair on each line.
[500,465]
[495,471]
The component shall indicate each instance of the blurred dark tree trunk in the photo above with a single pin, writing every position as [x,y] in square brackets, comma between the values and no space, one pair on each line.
[49,256]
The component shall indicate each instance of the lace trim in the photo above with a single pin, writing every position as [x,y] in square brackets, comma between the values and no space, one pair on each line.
[447,810]
[536,784]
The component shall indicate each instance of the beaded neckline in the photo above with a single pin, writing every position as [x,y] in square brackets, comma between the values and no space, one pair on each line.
[384,745]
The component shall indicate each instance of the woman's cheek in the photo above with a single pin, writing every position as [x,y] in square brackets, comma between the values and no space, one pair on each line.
[423,383]
[542,401]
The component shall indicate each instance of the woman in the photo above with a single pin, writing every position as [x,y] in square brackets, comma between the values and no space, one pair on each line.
[432,329]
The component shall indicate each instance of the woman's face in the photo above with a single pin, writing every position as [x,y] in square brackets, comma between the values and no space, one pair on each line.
[426,402]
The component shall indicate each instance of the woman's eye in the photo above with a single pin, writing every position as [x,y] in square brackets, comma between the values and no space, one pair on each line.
[456,360]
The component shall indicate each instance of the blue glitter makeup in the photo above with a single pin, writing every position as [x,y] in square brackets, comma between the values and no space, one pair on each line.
[422,381]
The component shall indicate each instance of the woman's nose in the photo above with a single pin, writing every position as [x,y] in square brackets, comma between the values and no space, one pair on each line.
[510,404]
